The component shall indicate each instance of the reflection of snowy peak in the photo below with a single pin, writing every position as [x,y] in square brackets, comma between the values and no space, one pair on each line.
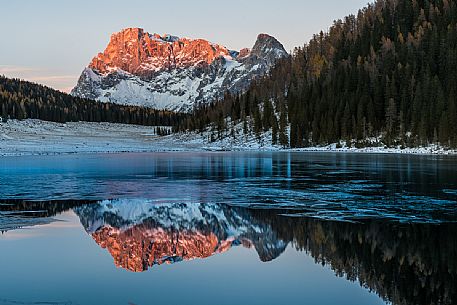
[168,72]
[141,234]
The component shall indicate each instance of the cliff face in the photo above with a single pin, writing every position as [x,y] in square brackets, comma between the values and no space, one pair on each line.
[168,72]
[139,53]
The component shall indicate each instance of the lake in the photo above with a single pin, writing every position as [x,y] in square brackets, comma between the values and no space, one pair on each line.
[228,228]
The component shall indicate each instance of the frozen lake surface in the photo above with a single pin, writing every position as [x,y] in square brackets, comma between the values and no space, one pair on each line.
[228,228]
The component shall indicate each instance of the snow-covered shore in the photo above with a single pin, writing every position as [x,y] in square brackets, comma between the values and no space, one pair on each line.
[35,137]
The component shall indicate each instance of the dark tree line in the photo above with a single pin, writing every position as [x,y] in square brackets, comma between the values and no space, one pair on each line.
[22,100]
[389,72]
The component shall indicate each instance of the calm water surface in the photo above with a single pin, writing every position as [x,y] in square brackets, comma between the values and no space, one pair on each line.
[228,228]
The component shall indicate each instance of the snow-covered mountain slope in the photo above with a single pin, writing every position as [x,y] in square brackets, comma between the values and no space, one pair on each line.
[167,72]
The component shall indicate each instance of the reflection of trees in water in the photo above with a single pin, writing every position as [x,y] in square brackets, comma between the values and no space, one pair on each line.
[406,264]
[19,213]
[45,208]
[403,263]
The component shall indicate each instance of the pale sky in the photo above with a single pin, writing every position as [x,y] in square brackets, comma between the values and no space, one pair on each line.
[51,41]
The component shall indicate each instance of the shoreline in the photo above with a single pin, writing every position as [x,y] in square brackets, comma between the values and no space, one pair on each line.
[39,138]
[208,150]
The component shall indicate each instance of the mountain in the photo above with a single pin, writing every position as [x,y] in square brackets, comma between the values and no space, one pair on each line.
[140,234]
[172,73]
[384,77]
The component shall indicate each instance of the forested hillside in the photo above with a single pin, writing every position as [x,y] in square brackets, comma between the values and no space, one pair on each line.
[387,75]
[21,100]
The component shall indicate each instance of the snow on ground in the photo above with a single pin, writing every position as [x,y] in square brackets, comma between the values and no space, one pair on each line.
[428,150]
[236,140]
[35,137]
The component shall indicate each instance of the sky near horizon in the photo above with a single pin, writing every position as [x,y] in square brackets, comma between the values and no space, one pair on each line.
[51,41]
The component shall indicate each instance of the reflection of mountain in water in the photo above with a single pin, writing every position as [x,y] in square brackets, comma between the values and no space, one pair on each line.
[404,263]
[142,234]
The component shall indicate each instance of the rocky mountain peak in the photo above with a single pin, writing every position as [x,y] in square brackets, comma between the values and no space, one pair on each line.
[137,52]
[268,48]
[173,73]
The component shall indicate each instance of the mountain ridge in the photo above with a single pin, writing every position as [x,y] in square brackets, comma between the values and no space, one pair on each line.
[172,73]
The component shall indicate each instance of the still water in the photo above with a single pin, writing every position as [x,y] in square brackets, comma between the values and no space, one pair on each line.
[228,228]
